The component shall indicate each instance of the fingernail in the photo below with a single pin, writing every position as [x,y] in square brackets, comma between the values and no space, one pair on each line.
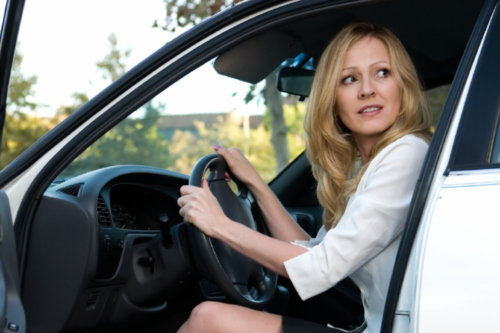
[217,147]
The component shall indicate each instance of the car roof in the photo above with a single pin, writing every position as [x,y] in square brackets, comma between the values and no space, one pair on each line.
[435,34]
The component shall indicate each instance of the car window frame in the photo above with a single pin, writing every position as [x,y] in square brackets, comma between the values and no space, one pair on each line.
[478,128]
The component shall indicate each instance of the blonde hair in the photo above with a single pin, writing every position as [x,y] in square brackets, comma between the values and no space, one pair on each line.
[330,148]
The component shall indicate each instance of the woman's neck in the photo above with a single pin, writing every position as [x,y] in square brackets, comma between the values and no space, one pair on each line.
[365,146]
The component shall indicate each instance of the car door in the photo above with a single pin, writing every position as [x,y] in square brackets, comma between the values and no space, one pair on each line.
[448,273]
[12,317]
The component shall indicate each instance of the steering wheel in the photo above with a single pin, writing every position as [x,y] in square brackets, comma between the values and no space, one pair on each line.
[240,279]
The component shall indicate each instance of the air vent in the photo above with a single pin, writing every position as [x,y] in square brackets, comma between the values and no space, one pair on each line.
[72,190]
[103,212]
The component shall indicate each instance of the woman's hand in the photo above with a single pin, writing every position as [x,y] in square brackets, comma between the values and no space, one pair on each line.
[200,207]
[239,165]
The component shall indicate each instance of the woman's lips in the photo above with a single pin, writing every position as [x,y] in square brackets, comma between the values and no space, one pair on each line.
[370,109]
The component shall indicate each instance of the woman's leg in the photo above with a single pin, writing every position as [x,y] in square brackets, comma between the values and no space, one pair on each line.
[222,317]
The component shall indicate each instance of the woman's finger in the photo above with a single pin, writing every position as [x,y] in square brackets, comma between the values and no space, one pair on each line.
[188,189]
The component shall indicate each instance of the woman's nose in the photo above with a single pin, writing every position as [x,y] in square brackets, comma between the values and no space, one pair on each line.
[366,89]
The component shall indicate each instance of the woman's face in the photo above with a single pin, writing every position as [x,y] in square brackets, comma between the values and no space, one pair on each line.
[368,94]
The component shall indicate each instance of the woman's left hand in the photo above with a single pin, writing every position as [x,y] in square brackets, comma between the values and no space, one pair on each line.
[200,207]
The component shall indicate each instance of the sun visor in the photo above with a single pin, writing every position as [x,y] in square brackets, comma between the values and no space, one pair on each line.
[252,60]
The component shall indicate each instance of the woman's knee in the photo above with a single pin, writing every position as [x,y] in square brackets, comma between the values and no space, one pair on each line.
[221,317]
[205,309]
[205,314]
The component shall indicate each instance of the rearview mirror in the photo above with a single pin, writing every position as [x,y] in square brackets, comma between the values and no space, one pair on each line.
[295,81]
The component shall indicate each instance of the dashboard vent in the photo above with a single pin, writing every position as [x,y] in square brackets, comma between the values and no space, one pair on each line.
[72,190]
[103,213]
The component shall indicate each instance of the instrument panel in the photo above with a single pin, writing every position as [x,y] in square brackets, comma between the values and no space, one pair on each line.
[138,207]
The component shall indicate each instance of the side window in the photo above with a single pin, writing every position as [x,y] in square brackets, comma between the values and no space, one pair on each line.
[436,98]
[203,109]
[496,149]
[477,143]
[183,123]
[3,6]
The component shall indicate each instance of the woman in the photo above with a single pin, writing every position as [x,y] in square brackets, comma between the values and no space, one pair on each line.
[366,105]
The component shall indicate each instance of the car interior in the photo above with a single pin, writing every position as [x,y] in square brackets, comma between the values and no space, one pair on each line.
[108,250]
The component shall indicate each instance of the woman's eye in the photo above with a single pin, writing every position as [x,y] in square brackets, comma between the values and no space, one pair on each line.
[348,79]
[384,72]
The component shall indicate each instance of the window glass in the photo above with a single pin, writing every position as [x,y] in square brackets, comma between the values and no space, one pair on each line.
[68,51]
[182,124]
[435,99]
[475,145]
[496,151]
[495,159]
[3,5]
[203,109]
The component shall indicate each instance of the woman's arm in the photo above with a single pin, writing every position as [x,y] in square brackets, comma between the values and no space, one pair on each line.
[280,223]
[200,207]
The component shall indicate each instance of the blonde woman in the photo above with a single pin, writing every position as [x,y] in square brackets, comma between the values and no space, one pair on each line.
[367,136]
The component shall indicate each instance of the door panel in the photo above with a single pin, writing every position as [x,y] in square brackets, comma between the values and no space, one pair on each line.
[460,271]
[12,318]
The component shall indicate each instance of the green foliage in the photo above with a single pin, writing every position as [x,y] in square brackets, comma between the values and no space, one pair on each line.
[65,110]
[132,141]
[113,65]
[181,13]
[19,133]
[436,98]
[20,88]
[294,119]
[22,127]
[135,140]
[185,148]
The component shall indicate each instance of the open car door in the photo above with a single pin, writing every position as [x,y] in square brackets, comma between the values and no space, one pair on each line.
[12,318]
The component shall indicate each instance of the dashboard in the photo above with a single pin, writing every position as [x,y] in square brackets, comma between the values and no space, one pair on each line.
[108,243]
[128,200]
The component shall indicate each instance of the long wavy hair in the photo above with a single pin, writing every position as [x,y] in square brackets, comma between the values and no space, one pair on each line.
[330,147]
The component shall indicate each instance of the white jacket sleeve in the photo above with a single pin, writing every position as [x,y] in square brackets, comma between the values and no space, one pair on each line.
[374,217]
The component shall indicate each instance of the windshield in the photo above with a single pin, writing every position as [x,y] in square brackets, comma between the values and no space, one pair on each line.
[203,109]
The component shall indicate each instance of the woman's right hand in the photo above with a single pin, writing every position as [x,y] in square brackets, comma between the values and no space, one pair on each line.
[278,220]
[239,165]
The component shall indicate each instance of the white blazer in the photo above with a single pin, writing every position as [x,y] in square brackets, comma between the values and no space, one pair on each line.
[365,242]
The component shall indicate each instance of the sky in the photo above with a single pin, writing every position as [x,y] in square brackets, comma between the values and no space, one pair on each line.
[62,40]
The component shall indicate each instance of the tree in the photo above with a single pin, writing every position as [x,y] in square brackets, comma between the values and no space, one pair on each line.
[135,140]
[113,65]
[132,141]
[22,126]
[20,87]
[185,148]
[274,103]
[181,13]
